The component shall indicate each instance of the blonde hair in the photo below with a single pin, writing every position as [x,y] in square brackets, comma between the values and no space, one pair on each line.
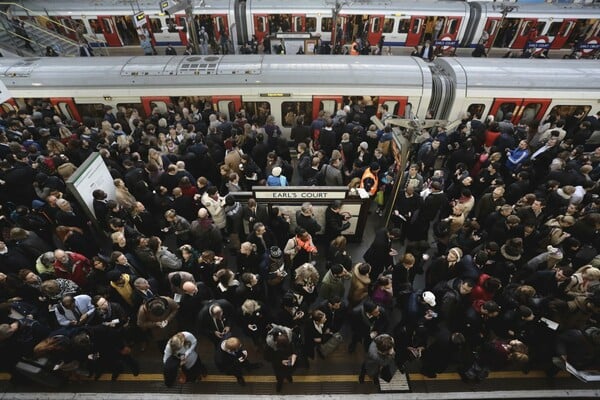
[589,273]
[177,341]
[250,307]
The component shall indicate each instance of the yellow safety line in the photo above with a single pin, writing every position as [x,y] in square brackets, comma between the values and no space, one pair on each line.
[319,378]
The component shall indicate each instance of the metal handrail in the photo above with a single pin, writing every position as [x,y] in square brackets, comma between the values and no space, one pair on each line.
[46,31]
[10,3]
[15,34]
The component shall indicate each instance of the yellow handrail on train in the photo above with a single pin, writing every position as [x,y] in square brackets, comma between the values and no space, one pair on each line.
[10,3]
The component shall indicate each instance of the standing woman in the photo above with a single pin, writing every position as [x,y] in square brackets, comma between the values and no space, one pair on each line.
[180,351]
[359,285]
[281,353]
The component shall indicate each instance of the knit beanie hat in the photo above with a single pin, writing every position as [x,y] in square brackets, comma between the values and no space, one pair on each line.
[512,249]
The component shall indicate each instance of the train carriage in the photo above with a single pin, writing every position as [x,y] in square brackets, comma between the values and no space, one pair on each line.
[290,86]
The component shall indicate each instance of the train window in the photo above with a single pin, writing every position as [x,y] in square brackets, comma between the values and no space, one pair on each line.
[156,25]
[227,107]
[525,28]
[529,113]
[564,111]
[292,109]
[260,24]
[329,106]
[376,25]
[451,27]
[65,111]
[94,111]
[388,25]
[403,26]
[504,109]
[107,24]
[95,26]
[171,26]
[130,107]
[554,28]
[258,110]
[540,27]
[183,24]
[326,24]
[476,110]
[311,24]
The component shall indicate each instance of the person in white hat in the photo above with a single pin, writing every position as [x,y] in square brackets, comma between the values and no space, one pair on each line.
[276,179]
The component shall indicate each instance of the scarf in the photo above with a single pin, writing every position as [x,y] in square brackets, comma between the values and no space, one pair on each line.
[125,291]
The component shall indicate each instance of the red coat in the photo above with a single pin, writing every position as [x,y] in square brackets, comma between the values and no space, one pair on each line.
[479,293]
[77,272]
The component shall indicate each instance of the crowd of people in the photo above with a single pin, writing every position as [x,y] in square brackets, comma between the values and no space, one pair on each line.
[500,263]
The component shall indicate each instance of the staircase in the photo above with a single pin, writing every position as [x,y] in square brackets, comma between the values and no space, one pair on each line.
[36,42]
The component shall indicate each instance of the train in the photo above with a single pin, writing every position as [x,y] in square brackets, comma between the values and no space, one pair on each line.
[294,85]
[393,23]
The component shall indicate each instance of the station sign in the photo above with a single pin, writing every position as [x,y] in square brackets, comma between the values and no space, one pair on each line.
[300,194]
[140,19]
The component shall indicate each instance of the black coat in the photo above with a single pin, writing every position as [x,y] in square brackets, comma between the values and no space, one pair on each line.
[378,253]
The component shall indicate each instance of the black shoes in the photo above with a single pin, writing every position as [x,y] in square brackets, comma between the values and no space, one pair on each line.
[241,381]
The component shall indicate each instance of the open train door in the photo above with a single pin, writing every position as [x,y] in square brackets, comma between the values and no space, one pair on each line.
[492,27]
[66,107]
[396,104]
[110,31]
[562,36]
[261,27]
[523,110]
[522,35]
[181,21]
[298,23]
[375,29]
[227,105]
[415,30]
[162,102]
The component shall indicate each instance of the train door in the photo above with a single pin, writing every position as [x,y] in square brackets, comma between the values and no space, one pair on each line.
[492,27]
[182,22]
[261,27]
[416,30]
[523,31]
[227,105]
[560,39]
[66,106]
[8,106]
[329,104]
[110,32]
[221,24]
[396,105]
[375,29]
[298,23]
[162,102]
[523,110]
[451,28]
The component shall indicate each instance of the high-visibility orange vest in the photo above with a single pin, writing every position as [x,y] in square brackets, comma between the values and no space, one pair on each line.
[369,174]
[353,49]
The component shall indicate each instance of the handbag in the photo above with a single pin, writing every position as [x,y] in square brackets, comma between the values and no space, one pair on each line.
[332,344]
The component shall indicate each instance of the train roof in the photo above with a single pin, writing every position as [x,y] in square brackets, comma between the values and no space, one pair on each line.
[505,76]
[384,7]
[109,7]
[183,71]
[546,10]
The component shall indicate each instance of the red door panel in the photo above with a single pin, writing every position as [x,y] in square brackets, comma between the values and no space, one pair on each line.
[110,32]
[532,109]
[492,26]
[8,106]
[452,26]
[501,106]
[375,29]
[221,22]
[182,22]
[415,31]
[523,32]
[317,100]
[147,102]
[66,105]
[560,40]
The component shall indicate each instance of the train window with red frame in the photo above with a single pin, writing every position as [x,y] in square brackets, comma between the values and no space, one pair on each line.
[529,113]
[95,26]
[554,28]
[452,26]
[388,25]
[290,110]
[376,25]
[94,111]
[540,27]
[525,28]
[261,24]
[404,26]
[476,110]
[330,106]
[326,24]
[129,107]
[311,24]
[564,111]
[258,110]
[108,28]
